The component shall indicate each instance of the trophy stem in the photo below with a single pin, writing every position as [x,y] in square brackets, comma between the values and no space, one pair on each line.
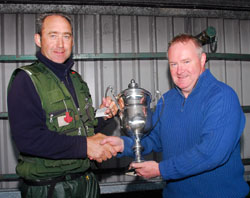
[137,150]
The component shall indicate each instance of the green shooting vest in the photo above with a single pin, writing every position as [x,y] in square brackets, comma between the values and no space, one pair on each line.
[56,100]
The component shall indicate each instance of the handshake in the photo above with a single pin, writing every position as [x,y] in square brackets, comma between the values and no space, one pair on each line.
[101,147]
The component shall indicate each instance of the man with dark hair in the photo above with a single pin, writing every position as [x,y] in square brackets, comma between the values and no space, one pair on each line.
[52,119]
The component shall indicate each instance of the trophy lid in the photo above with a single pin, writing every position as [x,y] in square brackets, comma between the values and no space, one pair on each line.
[135,95]
[133,84]
[134,87]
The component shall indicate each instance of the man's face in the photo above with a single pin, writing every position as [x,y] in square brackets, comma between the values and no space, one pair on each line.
[56,39]
[185,65]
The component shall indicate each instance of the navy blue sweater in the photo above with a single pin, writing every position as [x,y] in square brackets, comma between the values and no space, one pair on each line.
[28,120]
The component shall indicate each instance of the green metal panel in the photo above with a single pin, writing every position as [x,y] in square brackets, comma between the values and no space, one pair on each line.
[228,56]
[128,56]
[114,56]
[91,56]
[246,109]
[9,177]
[13,58]
[4,115]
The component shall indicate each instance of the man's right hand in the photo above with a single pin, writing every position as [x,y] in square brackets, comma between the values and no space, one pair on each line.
[116,142]
[98,152]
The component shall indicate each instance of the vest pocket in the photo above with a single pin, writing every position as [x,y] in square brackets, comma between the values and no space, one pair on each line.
[61,122]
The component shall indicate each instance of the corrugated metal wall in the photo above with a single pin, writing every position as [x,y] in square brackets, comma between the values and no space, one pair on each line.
[119,34]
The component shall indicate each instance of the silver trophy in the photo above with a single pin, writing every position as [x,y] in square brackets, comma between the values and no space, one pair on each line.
[135,114]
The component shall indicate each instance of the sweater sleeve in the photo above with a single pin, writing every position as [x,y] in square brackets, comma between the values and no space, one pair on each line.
[222,126]
[28,125]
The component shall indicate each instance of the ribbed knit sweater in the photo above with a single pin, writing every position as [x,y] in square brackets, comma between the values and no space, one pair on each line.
[199,139]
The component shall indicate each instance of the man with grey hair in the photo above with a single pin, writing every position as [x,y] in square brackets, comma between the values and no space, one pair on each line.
[198,132]
[52,119]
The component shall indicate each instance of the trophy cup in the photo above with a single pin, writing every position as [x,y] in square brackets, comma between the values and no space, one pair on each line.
[135,114]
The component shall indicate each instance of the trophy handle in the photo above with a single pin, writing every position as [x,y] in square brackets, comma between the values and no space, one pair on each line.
[156,98]
[110,88]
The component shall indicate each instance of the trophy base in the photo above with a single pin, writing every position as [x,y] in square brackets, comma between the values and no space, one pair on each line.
[131,172]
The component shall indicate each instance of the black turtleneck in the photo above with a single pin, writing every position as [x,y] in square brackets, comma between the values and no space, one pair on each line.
[61,71]
[28,120]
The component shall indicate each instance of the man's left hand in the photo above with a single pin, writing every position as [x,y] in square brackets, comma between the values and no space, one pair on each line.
[148,169]
[112,109]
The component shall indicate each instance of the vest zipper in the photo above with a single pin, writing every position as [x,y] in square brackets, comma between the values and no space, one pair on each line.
[51,118]
[78,109]
[79,131]
[85,127]
[79,112]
